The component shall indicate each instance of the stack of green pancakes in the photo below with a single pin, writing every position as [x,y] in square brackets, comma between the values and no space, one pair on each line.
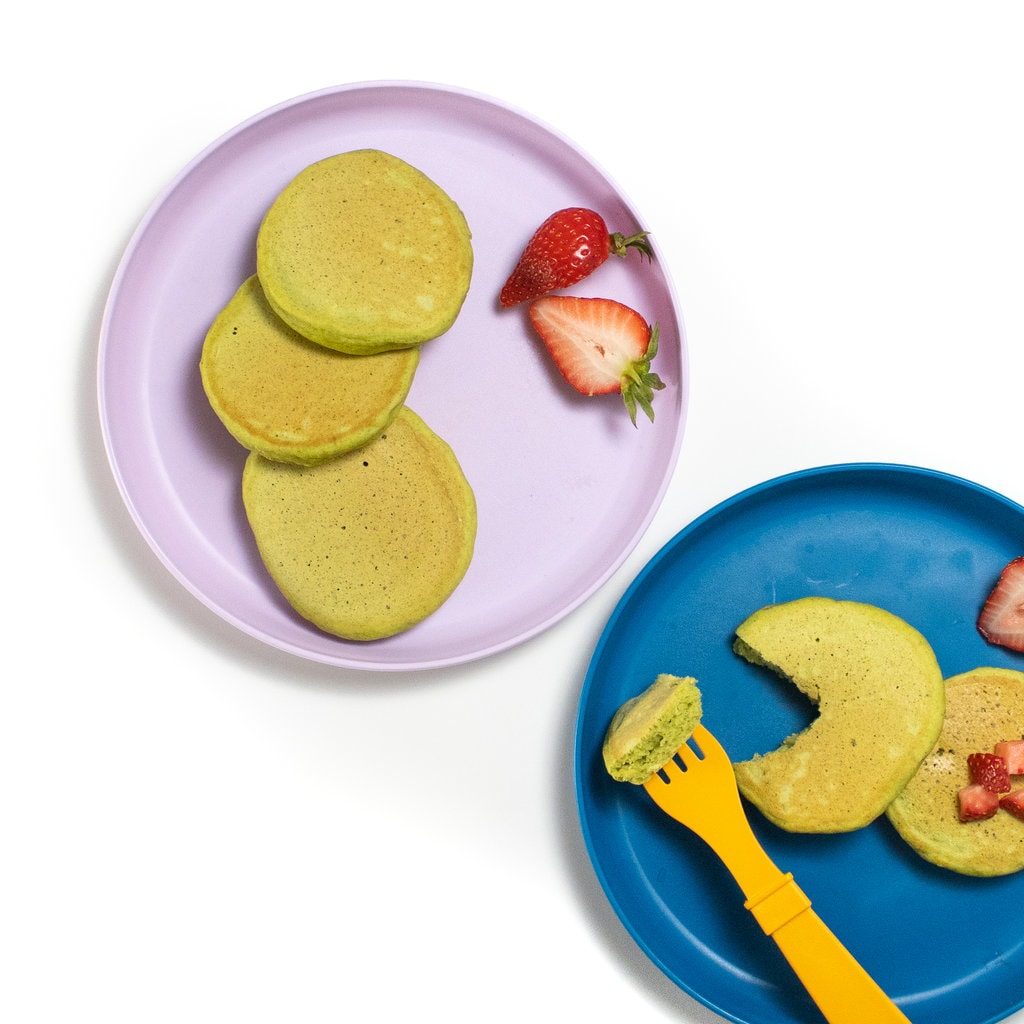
[361,513]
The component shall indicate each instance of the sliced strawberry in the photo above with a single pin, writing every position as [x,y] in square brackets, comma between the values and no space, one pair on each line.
[989,770]
[570,245]
[1012,752]
[1014,803]
[1002,617]
[600,346]
[977,803]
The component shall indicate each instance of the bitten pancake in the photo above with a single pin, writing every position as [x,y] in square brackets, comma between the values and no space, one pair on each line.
[648,729]
[983,707]
[362,252]
[371,543]
[288,398]
[880,698]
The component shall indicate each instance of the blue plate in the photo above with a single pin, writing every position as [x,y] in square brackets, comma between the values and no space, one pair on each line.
[927,547]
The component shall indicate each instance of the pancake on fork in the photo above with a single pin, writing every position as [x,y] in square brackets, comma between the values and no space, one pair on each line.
[645,732]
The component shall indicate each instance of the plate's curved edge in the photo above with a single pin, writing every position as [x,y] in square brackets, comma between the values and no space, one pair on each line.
[131,249]
[622,608]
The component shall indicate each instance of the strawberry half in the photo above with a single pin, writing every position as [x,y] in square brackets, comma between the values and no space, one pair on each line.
[570,245]
[1014,803]
[989,770]
[600,346]
[1002,617]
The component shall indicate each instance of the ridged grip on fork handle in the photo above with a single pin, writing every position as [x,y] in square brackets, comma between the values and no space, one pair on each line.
[844,992]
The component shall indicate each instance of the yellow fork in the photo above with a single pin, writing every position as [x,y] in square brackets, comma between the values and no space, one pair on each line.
[701,793]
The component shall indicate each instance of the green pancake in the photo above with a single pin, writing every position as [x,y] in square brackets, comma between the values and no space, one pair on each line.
[983,706]
[648,729]
[880,698]
[370,543]
[288,398]
[364,253]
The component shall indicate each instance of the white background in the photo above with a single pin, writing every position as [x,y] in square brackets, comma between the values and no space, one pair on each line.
[195,827]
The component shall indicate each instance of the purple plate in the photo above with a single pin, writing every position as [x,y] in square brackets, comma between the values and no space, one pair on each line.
[565,485]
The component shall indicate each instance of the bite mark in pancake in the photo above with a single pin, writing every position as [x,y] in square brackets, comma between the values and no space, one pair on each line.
[880,698]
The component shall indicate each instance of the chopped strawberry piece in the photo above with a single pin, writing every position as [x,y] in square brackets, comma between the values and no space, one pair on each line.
[1012,752]
[600,346]
[1001,620]
[1014,803]
[570,245]
[977,803]
[989,770]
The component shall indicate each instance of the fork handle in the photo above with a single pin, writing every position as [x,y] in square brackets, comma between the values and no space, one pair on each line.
[844,992]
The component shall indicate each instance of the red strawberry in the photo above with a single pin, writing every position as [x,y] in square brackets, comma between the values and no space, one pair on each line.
[600,346]
[989,770]
[567,247]
[977,803]
[1002,618]
[1014,803]
[1012,752]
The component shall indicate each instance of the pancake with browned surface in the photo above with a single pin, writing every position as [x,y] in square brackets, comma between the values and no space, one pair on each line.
[370,543]
[362,252]
[983,707]
[880,698]
[288,398]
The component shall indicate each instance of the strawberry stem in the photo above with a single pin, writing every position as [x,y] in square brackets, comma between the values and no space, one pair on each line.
[619,244]
[639,382]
